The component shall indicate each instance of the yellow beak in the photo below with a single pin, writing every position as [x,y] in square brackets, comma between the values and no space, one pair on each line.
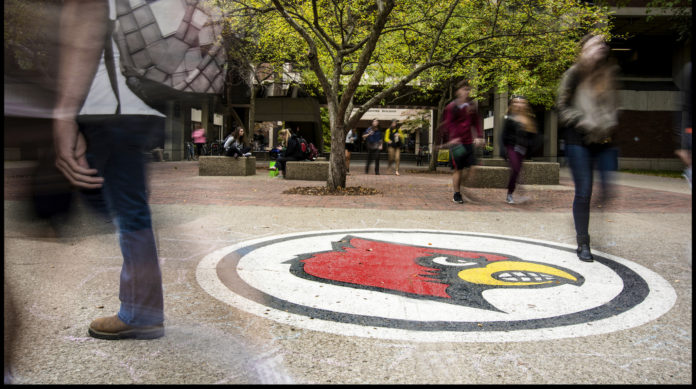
[517,274]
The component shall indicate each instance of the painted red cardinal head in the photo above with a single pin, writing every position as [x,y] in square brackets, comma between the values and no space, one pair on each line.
[452,276]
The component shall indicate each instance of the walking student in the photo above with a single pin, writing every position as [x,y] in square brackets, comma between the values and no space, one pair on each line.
[587,108]
[462,130]
[374,138]
[395,139]
[198,136]
[351,137]
[101,131]
[518,134]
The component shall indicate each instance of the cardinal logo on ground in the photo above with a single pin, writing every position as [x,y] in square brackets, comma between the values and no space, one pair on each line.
[431,286]
[450,276]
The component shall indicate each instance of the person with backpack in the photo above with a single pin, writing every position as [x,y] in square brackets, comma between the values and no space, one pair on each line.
[293,151]
[395,139]
[374,138]
[307,148]
[518,134]
[462,131]
[101,131]
[234,144]
[587,108]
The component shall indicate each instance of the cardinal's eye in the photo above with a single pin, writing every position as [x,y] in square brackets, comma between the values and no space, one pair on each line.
[452,261]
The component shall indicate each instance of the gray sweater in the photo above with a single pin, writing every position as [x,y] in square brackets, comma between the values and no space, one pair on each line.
[589,116]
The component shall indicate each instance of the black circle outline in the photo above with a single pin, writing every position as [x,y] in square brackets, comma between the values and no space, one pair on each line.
[635,290]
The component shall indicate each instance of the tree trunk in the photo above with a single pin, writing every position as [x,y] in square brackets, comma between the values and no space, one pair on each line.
[252,114]
[436,135]
[337,160]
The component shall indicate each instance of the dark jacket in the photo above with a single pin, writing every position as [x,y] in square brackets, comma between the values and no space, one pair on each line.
[514,134]
[376,139]
[293,150]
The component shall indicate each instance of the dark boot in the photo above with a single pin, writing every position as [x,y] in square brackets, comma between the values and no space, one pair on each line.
[584,248]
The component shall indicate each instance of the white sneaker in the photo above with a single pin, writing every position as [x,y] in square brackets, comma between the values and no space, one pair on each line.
[247,155]
[509,199]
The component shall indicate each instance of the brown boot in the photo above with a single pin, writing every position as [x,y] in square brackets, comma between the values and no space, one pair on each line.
[112,328]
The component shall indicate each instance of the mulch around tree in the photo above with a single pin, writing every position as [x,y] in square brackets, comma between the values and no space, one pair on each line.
[325,191]
[426,171]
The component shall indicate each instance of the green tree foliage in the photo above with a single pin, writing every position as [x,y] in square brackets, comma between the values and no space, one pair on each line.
[345,48]
[679,11]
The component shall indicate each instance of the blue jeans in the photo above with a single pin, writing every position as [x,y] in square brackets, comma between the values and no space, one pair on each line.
[583,160]
[116,147]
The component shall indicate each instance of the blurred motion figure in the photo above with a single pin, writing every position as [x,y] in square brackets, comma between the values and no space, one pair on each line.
[587,108]
[519,130]
[101,131]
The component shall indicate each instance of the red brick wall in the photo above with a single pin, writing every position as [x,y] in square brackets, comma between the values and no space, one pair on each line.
[646,134]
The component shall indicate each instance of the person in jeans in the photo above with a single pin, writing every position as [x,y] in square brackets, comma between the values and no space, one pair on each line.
[462,131]
[518,131]
[101,132]
[374,138]
[587,108]
[395,139]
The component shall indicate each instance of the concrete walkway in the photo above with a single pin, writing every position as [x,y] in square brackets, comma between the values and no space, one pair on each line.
[675,185]
[61,275]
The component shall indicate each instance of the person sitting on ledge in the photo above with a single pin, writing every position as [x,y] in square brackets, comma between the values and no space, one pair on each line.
[292,152]
[234,144]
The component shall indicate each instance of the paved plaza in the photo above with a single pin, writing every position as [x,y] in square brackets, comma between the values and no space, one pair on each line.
[249,297]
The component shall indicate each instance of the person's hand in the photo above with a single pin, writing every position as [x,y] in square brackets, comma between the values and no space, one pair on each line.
[450,143]
[584,126]
[478,142]
[71,147]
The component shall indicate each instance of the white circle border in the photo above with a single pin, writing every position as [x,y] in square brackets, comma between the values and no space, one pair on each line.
[660,299]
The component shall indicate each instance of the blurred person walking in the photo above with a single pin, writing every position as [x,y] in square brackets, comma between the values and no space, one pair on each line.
[462,132]
[101,130]
[395,139]
[519,130]
[587,108]
[351,137]
[374,138]
[685,131]
[198,136]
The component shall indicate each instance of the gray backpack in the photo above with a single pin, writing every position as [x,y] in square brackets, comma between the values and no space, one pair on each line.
[168,47]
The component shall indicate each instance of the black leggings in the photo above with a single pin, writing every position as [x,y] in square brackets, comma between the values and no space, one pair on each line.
[280,162]
[232,151]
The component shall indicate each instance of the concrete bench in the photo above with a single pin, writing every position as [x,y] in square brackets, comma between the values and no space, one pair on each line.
[307,170]
[533,173]
[226,166]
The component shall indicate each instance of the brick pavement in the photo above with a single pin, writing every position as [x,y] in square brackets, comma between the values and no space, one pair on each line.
[179,183]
